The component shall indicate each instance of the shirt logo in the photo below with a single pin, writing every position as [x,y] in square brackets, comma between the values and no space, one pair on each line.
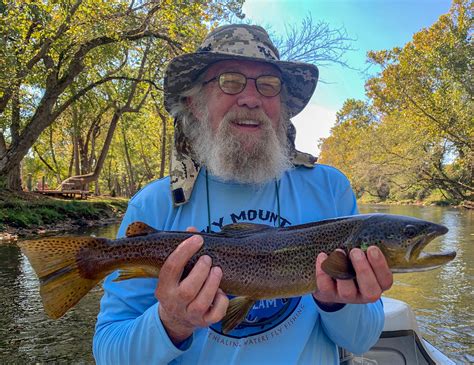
[265,315]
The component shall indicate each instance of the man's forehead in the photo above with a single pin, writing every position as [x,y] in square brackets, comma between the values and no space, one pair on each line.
[242,66]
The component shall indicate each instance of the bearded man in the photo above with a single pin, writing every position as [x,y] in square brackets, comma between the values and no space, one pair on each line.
[234,160]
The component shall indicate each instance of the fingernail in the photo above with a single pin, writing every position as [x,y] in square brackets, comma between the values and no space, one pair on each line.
[356,255]
[374,253]
[322,256]
[216,270]
[206,260]
[196,239]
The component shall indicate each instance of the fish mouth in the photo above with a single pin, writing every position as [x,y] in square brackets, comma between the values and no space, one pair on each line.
[422,261]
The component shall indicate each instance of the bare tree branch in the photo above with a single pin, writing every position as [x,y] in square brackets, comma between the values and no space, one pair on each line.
[314,43]
[44,161]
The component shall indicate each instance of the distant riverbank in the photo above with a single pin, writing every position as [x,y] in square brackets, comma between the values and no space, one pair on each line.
[366,199]
[31,214]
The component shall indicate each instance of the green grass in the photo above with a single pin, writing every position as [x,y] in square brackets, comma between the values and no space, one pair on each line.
[25,210]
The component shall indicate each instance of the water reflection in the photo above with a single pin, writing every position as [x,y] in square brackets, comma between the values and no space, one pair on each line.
[441,299]
[27,335]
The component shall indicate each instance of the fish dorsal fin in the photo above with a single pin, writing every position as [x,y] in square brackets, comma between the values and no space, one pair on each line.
[238,229]
[338,266]
[315,224]
[139,229]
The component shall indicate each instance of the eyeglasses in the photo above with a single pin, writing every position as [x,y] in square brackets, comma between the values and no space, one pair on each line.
[234,82]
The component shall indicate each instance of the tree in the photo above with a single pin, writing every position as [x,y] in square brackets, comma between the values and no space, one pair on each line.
[47,47]
[427,84]
[348,145]
[313,42]
[421,137]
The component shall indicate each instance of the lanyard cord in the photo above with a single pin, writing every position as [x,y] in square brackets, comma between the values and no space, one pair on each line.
[208,204]
[277,195]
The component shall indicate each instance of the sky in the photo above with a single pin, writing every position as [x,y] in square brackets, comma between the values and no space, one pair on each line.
[374,24]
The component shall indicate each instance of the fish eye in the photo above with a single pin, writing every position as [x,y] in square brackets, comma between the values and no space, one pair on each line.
[410,231]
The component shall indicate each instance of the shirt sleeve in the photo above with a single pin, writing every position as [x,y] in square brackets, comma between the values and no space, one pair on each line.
[346,202]
[128,329]
[355,327]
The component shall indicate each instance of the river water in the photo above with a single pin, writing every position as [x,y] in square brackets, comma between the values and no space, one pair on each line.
[441,299]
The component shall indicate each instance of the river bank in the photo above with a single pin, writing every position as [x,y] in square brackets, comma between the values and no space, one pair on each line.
[429,202]
[25,215]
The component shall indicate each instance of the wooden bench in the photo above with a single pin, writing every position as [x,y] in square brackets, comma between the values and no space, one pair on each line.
[82,194]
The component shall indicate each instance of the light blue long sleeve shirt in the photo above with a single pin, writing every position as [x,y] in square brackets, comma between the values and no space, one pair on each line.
[279,331]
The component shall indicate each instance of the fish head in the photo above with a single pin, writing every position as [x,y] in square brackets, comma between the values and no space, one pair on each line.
[402,239]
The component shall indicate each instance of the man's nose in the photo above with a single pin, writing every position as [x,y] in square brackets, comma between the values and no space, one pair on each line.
[249,96]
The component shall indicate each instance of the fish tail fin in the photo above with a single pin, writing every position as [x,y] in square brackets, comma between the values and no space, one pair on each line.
[63,282]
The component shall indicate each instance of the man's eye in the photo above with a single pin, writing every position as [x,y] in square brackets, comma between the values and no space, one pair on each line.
[232,83]
[267,87]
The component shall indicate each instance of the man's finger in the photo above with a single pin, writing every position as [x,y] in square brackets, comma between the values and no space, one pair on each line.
[218,309]
[325,284]
[190,286]
[174,265]
[368,285]
[347,291]
[206,296]
[380,267]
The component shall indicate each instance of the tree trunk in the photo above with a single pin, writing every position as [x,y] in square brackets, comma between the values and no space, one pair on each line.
[163,144]
[81,180]
[128,164]
[13,178]
[53,157]
[13,174]
[75,147]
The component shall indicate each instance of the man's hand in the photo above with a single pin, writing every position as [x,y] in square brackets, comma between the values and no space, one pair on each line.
[373,277]
[197,300]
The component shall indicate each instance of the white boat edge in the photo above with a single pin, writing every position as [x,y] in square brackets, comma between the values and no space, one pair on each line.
[401,341]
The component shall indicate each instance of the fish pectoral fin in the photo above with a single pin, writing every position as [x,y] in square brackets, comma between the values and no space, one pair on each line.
[236,312]
[338,266]
[137,272]
[139,229]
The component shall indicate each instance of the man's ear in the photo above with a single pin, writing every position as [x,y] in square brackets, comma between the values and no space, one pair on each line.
[192,107]
[188,101]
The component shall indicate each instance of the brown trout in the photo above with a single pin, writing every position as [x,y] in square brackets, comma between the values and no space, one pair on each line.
[257,261]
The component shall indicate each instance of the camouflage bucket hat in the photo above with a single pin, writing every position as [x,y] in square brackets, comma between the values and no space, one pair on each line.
[244,42]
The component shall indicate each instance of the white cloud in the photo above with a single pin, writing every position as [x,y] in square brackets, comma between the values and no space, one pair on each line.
[313,123]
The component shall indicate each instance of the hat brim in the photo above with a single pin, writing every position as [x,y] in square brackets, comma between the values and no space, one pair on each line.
[299,78]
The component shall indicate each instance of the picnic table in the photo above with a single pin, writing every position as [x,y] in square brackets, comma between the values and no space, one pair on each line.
[81,194]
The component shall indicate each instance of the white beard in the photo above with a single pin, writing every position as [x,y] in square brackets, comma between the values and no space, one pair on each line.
[243,158]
